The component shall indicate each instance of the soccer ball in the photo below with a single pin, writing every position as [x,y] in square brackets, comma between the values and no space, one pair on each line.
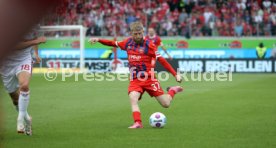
[157,120]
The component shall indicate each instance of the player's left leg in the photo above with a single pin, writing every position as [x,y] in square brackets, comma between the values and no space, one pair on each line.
[165,99]
[23,101]
[154,89]
[14,96]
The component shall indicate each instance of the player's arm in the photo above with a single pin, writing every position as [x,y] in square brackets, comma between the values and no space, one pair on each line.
[37,58]
[165,50]
[29,43]
[103,41]
[169,68]
[154,53]
[109,42]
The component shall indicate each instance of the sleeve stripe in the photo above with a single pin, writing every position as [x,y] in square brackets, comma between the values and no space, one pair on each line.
[147,47]
[158,56]
[126,45]
[116,43]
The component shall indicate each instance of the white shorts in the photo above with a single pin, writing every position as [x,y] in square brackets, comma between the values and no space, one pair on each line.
[9,71]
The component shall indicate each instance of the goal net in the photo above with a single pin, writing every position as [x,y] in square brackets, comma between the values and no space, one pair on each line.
[64,48]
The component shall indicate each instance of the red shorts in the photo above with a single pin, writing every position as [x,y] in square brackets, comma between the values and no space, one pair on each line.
[152,87]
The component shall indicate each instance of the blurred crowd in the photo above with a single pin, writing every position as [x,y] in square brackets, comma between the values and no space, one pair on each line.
[169,17]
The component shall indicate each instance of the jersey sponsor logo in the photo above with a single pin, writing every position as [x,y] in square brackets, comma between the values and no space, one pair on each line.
[134,57]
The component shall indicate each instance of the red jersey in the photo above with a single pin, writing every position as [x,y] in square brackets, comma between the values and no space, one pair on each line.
[155,39]
[141,57]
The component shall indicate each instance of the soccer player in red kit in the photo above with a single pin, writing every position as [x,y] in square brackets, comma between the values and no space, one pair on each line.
[142,55]
[157,40]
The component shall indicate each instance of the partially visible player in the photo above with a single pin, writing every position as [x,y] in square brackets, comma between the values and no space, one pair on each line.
[16,71]
[157,40]
[142,55]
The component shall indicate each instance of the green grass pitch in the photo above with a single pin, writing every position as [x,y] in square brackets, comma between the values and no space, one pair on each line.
[238,114]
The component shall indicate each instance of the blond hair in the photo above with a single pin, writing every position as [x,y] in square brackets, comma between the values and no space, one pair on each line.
[136,26]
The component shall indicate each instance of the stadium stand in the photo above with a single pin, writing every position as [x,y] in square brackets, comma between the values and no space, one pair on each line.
[169,18]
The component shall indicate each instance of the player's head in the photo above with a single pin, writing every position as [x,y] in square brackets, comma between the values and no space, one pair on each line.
[137,31]
[151,32]
[261,45]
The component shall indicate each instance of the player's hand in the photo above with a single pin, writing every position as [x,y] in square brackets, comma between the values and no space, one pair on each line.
[37,59]
[93,40]
[41,40]
[178,78]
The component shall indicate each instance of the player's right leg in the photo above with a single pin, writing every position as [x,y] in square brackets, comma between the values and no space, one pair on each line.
[134,98]
[20,123]
[10,82]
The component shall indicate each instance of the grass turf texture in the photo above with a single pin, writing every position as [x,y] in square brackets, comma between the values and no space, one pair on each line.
[241,113]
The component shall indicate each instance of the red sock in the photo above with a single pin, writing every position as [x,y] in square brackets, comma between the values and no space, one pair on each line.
[171,93]
[137,116]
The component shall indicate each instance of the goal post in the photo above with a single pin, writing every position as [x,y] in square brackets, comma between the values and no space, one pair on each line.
[80,28]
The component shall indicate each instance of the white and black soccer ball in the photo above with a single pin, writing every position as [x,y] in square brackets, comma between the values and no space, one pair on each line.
[157,120]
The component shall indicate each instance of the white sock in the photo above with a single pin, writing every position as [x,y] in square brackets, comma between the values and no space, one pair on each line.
[27,115]
[23,102]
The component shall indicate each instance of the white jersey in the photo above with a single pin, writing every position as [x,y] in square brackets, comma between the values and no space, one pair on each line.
[18,56]
[12,66]
[21,54]
[20,60]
